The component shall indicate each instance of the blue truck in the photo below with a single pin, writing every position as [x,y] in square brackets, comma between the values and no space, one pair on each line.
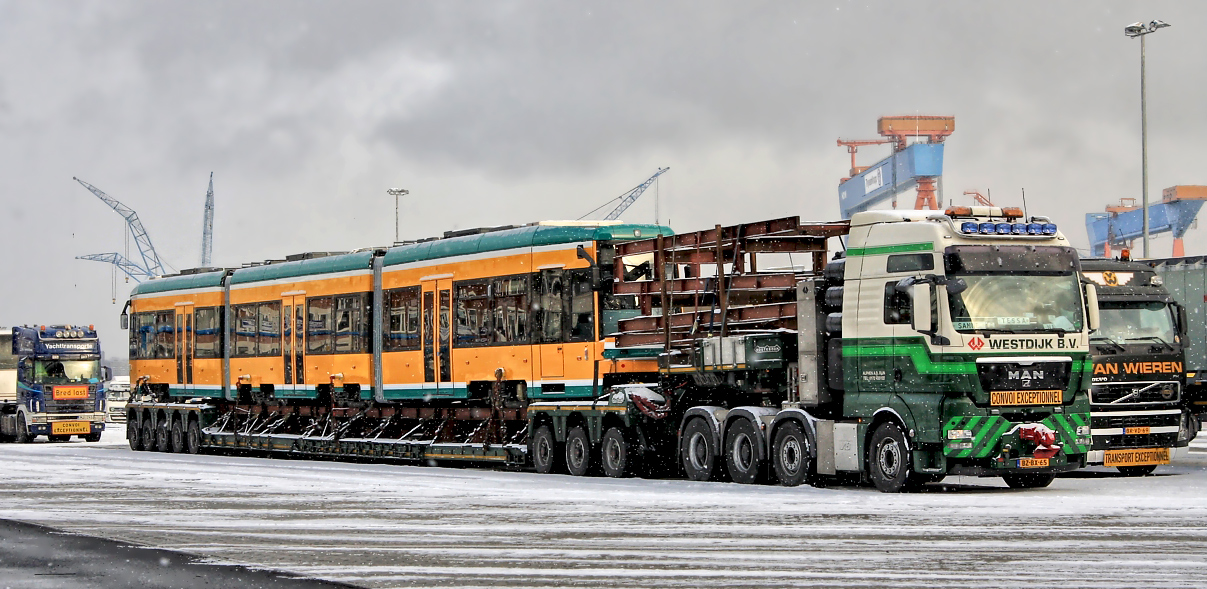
[52,383]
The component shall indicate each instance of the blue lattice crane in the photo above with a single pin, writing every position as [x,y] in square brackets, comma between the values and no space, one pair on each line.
[628,198]
[151,265]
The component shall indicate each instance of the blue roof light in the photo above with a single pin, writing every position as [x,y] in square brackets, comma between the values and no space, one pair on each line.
[969,227]
[988,228]
[1035,229]
[1049,229]
[1020,229]
[1003,228]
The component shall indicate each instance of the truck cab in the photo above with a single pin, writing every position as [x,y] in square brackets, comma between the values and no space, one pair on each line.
[1139,368]
[59,391]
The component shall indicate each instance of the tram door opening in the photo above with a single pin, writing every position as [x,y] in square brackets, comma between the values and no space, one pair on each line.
[550,294]
[293,327]
[184,346]
[436,333]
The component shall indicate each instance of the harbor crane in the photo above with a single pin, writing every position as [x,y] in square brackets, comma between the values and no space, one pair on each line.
[151,265]
[628,198]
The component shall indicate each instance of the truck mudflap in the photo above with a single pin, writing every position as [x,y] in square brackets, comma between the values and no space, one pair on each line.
[991,444]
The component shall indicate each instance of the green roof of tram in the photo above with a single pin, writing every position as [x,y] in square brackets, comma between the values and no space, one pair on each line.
[493,241]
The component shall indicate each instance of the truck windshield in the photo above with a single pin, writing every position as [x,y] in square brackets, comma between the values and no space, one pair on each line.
[1134,321]
[1015,289]
[66,371]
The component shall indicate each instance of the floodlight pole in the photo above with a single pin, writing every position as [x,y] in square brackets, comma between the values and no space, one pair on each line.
[397,192]
[1141,30]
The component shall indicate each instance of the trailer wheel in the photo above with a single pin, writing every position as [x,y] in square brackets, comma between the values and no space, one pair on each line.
[544,451]
[1137,471]
[1028,480]
[148,435]
[698,454]
[132,435]
[614,454]
[891,465]
[743,456]
[177,436]
[163,436]
[579,459]
[193,438]
[791,454]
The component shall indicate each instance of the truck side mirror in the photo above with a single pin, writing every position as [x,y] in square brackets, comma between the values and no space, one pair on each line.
[920,295]
[125,321]
[956,285]
[108,372]
[1091,306]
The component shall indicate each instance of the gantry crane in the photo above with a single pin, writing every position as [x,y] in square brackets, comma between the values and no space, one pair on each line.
[909,166]
[1124,222]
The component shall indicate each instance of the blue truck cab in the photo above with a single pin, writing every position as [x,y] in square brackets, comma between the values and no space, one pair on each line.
[54,383]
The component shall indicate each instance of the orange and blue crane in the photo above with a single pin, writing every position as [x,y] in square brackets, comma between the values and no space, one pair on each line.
[918,165]
[1124,222]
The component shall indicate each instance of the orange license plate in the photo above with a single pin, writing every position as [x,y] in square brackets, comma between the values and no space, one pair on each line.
[1032,462]
[68,393]
[1136,457]
[1137,431]
[1024,398]
[70,427]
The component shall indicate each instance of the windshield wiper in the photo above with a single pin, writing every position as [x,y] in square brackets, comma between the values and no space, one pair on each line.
[1153,337]
[1098,340]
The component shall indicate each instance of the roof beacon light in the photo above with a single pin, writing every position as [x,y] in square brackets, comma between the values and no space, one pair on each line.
[1049,229]
[958,212]
[988,228]
[1019,229]
[1012,212]
[1004,228]
[969,227]
[1035,229]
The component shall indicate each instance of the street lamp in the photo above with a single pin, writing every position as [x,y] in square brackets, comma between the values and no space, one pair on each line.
[1138,29]
[397,192]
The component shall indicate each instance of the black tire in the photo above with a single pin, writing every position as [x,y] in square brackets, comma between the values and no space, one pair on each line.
[744,459]
[544,451]
[890,460]
[177,436]
[92,437]
[614,454]
[133,436]
[1028,480]
[192,438]
[59,437]
[1137,471]
[23,435]
[791,454]
[147,435]
[580,458]
[163,436]
[698,452]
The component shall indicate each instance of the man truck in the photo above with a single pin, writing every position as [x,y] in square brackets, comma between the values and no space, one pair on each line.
[56,376]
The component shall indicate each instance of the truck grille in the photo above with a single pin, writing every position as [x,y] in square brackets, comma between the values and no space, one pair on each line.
[1011,376]
[1134,393]
[73,405]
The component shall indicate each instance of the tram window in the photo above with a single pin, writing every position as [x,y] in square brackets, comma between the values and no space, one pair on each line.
[165,335]
[318,325]
[269,340]
[582,306]
[402,331]
[245,329]
[472,310]
[510,309]
[142,332]
[548,305]
[209,333]
[351,329]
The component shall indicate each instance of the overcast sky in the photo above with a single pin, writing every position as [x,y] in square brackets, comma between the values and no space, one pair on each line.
[509,112]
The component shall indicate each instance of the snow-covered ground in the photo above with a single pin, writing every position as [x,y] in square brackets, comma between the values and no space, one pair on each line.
[403,526]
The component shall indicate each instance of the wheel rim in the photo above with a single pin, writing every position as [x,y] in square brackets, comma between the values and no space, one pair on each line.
[543,450]
[697,451]
[578,452]
[743,452]
[790,455]
[612,453]
[889,458]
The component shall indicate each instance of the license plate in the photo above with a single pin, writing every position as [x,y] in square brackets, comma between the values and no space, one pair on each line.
[1032,462]
[68,393]
[1134,431]
[1049,397]
[70,427]
[1136,457]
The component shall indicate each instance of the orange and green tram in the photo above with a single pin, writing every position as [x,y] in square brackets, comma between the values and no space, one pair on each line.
[426,350]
